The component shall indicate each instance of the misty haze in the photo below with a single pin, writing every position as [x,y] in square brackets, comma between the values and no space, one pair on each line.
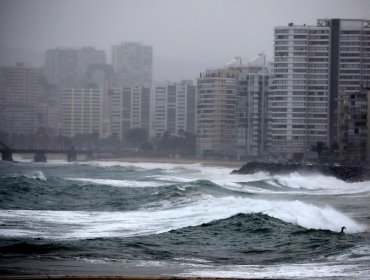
[183,138]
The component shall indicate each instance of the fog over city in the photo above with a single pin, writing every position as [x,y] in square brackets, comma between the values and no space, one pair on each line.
[187,36]
[208,139]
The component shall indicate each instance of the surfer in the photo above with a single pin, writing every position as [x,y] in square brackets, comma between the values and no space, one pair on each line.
[342,230]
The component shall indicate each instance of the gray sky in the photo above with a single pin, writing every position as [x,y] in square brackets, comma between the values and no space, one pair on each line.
[188,36]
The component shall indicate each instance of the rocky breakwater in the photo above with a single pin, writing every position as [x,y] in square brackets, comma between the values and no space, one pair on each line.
[342,172]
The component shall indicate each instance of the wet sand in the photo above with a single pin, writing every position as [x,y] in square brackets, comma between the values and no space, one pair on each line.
[220,163]
[81,270]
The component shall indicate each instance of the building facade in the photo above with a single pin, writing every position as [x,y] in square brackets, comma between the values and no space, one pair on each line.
[349,63]
[298,103]
[20,84]
[133,64]
[18,119]
[101,76]
[352,127]
[87,57]
[81,111]
[174,108]
[128,108]
[368,126]
[20,96]
[251,110]
[232,110]
[313,65]
[66,67]
[216,111]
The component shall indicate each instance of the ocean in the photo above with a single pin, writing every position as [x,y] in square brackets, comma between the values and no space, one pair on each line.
[121,218]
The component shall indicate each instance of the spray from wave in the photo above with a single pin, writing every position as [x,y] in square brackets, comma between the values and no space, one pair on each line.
[80,224]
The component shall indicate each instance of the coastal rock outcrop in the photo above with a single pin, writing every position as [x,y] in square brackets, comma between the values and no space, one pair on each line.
[345,173]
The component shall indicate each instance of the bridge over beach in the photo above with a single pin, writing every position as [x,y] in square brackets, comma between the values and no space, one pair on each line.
[40,154]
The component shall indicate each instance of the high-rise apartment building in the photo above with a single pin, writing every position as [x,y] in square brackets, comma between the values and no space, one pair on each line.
[66,67]
[298,103]
[368,127]
[128,108]
[251,109]
[61,67]
[20,84]
[86,57]
[174,108]
[21,119]
[81,111]
[101,76]
[349,63]
[312,65]
[232,110]
[133,63]
[216,113]
[20,92]
[352,125]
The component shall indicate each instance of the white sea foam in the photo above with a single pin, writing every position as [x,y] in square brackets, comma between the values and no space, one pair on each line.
[39,175]
[175,179]
[286,271]
[293,183]
[119,183]
[143,165]
[321,184]
[354,254]
[80,224]
[184,173]
[19,158]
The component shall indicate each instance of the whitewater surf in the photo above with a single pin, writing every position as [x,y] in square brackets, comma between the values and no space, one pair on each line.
[179,219]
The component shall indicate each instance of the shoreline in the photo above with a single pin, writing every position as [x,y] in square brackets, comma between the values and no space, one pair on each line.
[81,270]
[143,159]
[220,163]
[122,277]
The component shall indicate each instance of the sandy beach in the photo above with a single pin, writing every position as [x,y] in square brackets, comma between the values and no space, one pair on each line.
[221,163]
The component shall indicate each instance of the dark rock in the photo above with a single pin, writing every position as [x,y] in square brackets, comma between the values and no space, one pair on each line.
[345,173]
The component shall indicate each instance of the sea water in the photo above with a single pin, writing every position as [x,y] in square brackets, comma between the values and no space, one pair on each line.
[180,219]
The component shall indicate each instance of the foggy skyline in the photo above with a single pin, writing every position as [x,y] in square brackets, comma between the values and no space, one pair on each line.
[187,36]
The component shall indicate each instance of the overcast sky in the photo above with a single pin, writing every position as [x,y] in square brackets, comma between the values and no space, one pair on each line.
[188,36]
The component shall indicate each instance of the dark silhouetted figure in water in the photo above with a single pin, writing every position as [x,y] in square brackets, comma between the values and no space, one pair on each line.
[342,230]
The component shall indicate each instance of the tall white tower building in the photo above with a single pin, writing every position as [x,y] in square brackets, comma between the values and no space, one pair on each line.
[312,66]
[298,103]
[66,67]
[174,108]
[251,109]
[81,111]
[20,96]
[216,113]
[232,110]
[129,108]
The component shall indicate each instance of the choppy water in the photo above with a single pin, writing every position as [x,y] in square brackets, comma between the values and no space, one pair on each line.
[181,219]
